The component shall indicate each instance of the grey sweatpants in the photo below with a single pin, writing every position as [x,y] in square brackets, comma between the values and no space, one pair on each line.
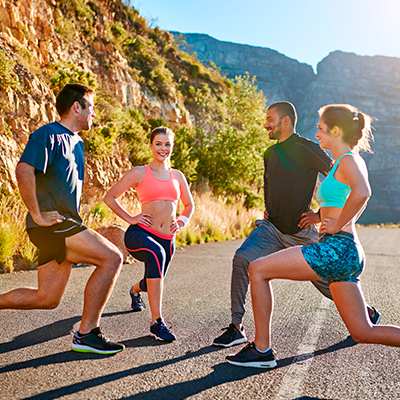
[264,240]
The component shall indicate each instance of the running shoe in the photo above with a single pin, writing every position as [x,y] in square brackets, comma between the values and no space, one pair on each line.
[376,318]
[249,356]
[160,332]
[230,337]
[137,302]
[95,342]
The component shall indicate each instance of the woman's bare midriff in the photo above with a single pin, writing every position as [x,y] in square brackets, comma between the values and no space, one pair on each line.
[334,213]
[163,212]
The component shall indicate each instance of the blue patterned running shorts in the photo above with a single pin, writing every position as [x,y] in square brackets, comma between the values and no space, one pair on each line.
[336,258]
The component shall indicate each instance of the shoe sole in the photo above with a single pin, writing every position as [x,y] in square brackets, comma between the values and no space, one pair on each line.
[234,343]
[255,364]
[86,349]
[161,339]
[136,309]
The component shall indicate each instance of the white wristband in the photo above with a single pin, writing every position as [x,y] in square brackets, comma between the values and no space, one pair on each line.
[184,219]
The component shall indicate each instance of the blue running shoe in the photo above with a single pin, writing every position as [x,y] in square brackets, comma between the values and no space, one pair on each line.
[376,318]
[160,332]
[137,302]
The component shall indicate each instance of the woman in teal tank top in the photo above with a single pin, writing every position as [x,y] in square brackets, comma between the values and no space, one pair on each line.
[338,258]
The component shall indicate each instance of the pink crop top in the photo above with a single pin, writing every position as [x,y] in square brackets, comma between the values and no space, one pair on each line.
[152,188]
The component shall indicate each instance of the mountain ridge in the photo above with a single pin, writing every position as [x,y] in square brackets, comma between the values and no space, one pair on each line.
[371,83]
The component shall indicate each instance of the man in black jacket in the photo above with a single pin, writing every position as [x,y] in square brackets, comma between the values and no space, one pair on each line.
[291,170]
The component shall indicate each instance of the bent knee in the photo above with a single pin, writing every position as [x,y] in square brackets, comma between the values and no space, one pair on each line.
[362,335]
[260,269]
[114,260]
[118,259]
[254,269]
[48,303]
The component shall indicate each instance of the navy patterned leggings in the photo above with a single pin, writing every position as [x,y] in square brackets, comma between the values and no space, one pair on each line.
[154,249]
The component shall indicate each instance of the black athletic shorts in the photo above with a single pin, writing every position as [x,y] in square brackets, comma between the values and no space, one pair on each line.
[50,240]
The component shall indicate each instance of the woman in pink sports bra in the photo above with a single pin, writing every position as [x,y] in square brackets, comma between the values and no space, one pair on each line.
[151,235]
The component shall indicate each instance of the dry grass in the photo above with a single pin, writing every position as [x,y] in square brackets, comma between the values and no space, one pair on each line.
[387,225]
[215,219]
[16,250]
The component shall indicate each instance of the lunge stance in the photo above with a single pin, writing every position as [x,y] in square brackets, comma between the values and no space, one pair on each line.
[291,171]
[151,235]
[338,258]
[50,176]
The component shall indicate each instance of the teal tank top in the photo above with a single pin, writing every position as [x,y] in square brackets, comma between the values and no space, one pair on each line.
[331,192]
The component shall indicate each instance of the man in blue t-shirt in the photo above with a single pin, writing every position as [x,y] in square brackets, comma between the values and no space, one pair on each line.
[50,178]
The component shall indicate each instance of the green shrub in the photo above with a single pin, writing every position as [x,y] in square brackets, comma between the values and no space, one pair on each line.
[69,73]
[192,236]
[232,143]
[65,27]
[8,78]
[134,130]
[100,140]
[81,16]
[183,156]
[7,243]
[16,250]
[101,211]
[253,200]
[143,55]
[194,70]
[156,122]
[118,30]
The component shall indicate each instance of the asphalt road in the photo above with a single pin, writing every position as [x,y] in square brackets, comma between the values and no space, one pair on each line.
[316,357]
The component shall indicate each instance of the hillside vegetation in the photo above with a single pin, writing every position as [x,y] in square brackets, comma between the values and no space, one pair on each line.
[142,80]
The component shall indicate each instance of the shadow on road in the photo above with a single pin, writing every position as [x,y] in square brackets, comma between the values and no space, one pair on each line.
[222,373]
[46,333]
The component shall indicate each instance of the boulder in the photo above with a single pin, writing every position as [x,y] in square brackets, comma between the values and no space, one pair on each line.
[115,234]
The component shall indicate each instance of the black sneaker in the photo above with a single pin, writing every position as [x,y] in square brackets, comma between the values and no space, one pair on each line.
[137,302]
[160,332]
[230,337]
[249,356]
[375,319]
[95,342]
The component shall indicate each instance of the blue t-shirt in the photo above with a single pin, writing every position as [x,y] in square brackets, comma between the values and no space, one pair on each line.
[57,155]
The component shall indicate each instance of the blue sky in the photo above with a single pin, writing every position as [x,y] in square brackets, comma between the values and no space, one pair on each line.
[306,30]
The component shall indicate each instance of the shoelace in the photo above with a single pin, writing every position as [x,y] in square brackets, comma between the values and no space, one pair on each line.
[164,327]
[138,300]
[102,337]
[248,346]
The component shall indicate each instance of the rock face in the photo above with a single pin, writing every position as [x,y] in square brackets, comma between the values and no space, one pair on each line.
[28,31]
[278,76]
[372,84]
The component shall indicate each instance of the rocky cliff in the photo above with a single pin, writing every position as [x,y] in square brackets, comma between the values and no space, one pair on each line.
[372,84]
[278,76]
[33,34]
